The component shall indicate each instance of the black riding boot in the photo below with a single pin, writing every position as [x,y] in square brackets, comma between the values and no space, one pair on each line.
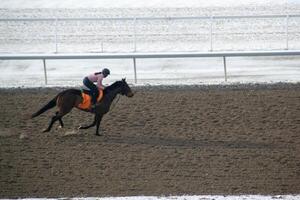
[93,101]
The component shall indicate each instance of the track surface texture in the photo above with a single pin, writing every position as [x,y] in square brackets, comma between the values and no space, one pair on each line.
[166,140]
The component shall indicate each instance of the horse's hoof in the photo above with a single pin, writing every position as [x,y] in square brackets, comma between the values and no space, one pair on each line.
[97,134]
[46,131]
[81,127]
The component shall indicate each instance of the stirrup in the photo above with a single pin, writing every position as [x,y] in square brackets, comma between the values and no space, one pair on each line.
[93,108]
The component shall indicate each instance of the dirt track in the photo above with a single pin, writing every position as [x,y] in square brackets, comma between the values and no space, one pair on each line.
[170,140]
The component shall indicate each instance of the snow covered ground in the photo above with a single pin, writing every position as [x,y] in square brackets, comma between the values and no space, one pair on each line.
[134,3]
[151,36]
[201,197]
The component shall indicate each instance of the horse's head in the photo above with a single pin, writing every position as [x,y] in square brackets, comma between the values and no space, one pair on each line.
[126,90]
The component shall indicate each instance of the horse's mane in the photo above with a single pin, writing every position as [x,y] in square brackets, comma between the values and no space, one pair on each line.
[112,86]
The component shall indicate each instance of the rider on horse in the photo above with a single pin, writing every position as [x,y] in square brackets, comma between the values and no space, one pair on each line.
[97,77]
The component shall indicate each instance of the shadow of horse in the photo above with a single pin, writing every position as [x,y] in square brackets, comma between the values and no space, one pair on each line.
[186,143]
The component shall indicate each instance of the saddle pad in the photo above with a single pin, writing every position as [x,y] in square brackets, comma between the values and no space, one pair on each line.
[86,100]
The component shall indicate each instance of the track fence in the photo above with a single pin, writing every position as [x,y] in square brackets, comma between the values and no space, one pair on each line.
[135,56]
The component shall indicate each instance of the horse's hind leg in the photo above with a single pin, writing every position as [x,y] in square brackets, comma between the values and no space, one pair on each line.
[58,116]
[54,119]
[65,103]
[60,121]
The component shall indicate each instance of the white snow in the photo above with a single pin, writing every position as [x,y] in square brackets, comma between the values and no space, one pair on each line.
[130,3]
[152,36]
[200,197]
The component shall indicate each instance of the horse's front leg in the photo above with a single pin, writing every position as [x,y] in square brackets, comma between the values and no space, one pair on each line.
[98,121]
[91,125]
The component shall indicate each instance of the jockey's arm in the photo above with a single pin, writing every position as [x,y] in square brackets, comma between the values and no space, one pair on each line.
[102,88]
[99,83]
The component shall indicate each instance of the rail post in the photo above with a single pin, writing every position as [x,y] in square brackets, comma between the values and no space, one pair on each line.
[45,71]
[225,68]
[287,31]
[134,68]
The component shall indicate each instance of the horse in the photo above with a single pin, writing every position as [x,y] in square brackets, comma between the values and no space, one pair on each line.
[70,98]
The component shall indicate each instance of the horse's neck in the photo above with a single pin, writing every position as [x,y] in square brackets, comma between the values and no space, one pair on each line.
[110,96]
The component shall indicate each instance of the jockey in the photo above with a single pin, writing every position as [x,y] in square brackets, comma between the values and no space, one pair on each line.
[97,77]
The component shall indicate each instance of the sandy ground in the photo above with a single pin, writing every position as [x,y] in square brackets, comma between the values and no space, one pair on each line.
[163,141]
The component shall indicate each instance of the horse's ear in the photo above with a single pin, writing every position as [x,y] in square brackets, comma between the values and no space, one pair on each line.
[124,79]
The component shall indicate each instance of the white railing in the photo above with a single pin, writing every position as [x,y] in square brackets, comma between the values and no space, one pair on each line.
[135,19]
[135,56]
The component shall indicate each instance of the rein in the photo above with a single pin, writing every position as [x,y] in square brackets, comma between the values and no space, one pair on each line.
[114,105]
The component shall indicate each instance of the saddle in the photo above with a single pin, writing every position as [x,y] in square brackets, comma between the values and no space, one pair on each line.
[86,99]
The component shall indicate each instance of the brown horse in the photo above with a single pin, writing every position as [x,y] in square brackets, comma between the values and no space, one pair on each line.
[68,99]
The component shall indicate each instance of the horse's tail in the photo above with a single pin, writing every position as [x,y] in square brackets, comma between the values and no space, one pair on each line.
[48,106]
